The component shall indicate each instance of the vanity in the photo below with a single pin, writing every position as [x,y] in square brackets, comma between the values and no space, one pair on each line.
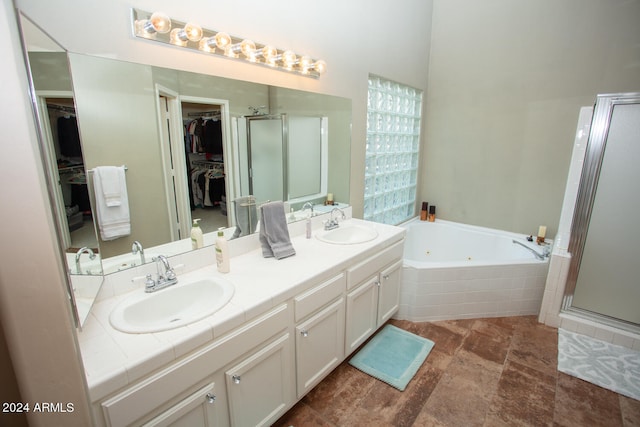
[289,323]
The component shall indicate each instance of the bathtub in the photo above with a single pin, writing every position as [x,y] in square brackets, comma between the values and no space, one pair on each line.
[458,271]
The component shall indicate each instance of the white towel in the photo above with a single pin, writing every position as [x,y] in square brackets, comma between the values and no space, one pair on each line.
[113,220]
[111,184]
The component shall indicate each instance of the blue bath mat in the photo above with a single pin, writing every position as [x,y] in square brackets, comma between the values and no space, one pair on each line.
[393,355]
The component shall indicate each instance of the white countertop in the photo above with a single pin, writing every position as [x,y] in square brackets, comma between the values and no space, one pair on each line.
[113,359]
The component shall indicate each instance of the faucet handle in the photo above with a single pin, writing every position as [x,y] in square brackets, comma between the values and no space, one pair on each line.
[149,284]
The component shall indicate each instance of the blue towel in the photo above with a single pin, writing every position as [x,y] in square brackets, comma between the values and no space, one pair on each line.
[274,233]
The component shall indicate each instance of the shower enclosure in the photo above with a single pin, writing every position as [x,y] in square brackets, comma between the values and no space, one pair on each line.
[288,153]
[603,282]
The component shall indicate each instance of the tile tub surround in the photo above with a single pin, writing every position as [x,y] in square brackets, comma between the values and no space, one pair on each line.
[113,359]
[471,292]
[468,272]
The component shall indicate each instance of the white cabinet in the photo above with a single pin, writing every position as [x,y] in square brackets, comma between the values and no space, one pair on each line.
[260,387]
[389,291]
[182,393]
[319,313]
[255,373]
[362,313]
[374,295]
[319,346]
[206,407]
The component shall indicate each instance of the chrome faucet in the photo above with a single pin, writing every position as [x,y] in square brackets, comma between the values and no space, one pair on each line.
[137,248]
[307,205]
[165,279]
[546,251]
[79,253]
[333,223]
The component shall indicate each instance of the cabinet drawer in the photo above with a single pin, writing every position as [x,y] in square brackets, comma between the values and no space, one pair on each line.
[367,268]
[154,393]
[320,295]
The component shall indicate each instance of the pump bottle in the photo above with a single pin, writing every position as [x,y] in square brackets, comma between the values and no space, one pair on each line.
[196,235]
[222,252]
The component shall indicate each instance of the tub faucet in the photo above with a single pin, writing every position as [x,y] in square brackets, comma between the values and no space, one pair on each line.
[333,223]
[539,256]
[137,248]
[165,279]
[79,253]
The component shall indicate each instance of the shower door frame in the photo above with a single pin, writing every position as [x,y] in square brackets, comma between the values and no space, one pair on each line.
[591,169]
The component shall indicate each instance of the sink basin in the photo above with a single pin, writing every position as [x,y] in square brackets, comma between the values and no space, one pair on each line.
[172,307]
[348,235]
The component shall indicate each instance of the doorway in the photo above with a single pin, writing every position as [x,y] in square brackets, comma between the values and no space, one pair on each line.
[67,170]
[192,194]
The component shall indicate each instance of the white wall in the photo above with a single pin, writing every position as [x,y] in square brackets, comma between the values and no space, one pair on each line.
[354,37]
[34,313]
[506,82]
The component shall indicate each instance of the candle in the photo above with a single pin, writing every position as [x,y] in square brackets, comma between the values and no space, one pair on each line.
[330,197]
[542,231]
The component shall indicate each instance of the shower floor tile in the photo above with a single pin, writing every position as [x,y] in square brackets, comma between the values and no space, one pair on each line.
[481,372]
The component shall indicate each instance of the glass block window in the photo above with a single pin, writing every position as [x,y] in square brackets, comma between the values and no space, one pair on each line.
[393,141]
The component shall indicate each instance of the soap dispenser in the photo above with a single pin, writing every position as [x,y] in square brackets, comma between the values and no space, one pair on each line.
[222,252]
[196,235]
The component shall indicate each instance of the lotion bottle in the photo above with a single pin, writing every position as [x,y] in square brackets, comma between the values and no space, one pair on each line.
[423,211]
[196,235]
[222,252]
[432,213]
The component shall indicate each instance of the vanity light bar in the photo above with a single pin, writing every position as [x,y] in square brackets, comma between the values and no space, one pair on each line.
[159,27]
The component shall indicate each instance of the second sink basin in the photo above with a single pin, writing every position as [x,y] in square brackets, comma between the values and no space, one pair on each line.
[348,235]
[172,307]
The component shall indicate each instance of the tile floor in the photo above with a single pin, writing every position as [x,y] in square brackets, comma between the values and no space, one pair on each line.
[481,372]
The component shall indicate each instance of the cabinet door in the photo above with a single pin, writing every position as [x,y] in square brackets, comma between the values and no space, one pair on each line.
[206,408]
[261,386]
[362,308]
[389,293]
[319,346]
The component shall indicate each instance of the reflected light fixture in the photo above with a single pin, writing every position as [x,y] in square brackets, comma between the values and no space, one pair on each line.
[158,26]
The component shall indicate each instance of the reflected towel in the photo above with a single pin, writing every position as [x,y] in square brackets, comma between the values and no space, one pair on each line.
[109,177]
[113,221]
[274,233]
[246,216]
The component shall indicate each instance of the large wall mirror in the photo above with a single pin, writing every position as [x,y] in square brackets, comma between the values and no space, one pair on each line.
[185,143]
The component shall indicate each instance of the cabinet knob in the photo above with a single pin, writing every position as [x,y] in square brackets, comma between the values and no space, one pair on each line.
[385,276]
[378,283]
[236,379]
[210,397]
[304,333]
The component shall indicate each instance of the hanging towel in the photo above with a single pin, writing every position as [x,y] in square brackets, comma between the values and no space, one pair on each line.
[109,177]
[113,220]
[274,234]
[246,216]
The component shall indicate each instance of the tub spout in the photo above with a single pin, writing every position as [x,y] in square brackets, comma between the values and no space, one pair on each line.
[539,256]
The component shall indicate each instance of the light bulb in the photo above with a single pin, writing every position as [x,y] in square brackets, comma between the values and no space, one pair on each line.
[289,58]
[190,32]
[305,63]
[158,23]
[247,47]
[193,31]
[269,52]
[222,40]
[320,66]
